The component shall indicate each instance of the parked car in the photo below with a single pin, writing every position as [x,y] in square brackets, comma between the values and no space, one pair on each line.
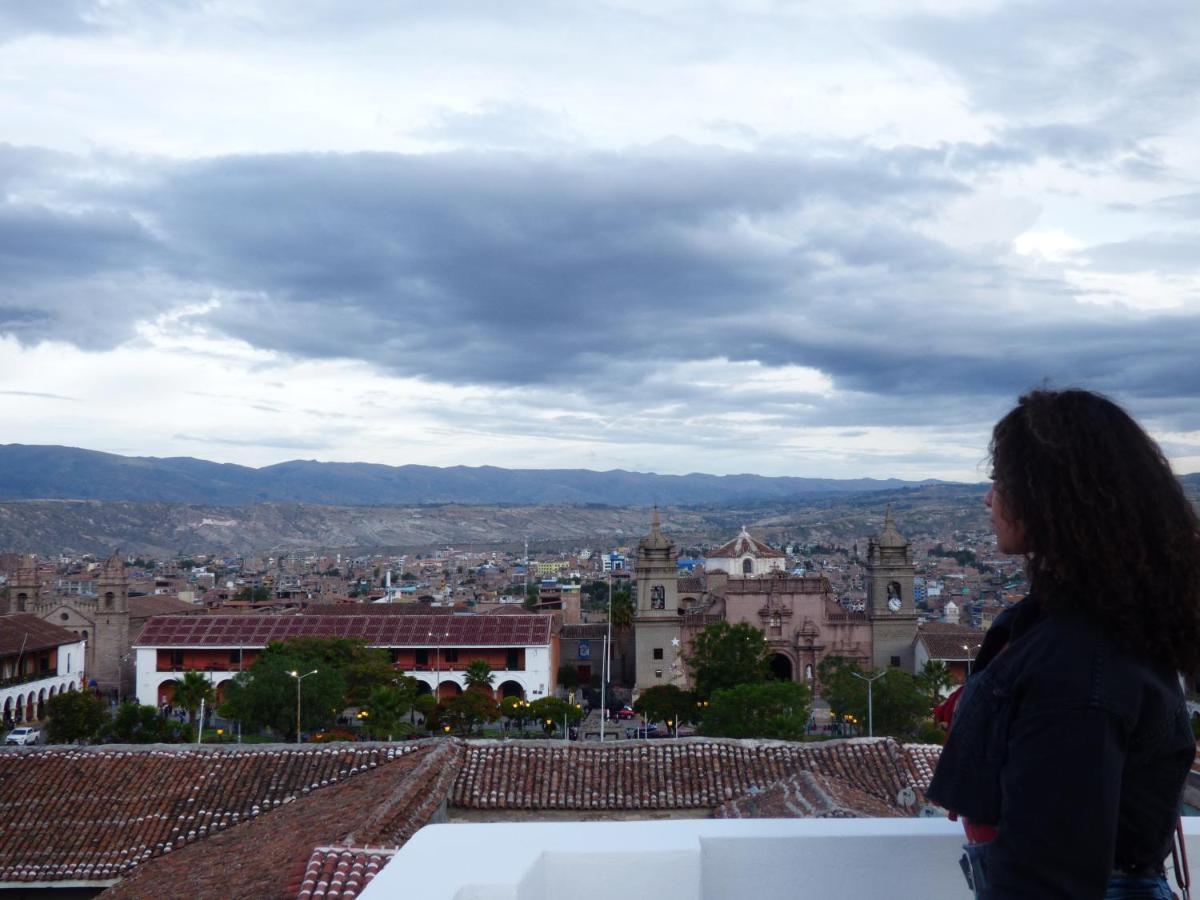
[642,731]
[24,735]
[625,712]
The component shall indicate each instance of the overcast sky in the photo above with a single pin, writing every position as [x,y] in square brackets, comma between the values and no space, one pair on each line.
[789,238]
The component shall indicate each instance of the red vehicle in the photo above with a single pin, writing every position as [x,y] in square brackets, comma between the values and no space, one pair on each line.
[625,712]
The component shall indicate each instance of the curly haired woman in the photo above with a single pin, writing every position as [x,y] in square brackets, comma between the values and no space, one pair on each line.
[1070,743]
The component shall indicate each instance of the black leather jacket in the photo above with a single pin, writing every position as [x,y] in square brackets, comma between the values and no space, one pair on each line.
[1076,751]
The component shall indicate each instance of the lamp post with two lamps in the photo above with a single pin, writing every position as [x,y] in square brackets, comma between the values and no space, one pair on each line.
[870,705]
[299,678]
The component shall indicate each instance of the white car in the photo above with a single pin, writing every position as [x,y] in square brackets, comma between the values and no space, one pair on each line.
[24,736]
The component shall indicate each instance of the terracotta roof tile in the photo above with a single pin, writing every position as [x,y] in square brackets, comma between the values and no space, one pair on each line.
[807,795]
[96,812]
[273,855]
[26,632]
[377,630]
[677,774]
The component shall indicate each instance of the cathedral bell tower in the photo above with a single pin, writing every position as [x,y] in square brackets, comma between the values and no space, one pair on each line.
[890,606]
[656,619]
[107,660]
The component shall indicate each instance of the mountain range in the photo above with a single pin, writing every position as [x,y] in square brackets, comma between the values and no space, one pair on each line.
[33,472]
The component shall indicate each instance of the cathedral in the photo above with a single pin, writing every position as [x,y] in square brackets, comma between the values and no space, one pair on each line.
[102,620]
[801,620]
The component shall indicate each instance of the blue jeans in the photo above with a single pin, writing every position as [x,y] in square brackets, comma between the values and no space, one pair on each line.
[1120,887]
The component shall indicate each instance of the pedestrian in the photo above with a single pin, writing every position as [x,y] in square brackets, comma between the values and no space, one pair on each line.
[1070,742]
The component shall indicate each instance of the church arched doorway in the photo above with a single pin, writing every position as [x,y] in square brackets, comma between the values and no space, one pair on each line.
[512,689]
[781,667]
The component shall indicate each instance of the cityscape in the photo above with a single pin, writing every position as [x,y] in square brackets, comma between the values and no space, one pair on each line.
[535,450]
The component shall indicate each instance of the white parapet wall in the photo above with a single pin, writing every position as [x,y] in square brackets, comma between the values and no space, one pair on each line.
[695,859]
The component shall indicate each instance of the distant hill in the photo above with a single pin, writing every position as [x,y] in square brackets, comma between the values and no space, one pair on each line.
[29,472]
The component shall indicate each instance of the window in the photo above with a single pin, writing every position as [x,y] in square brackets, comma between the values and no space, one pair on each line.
[658,673]
[235,657]
[108,600]
[422,658]
[747,566]
[176,659]
[776,625]
[452,656]
[512,659]
[895,662]
[64,616]
[658,597]
[658,652]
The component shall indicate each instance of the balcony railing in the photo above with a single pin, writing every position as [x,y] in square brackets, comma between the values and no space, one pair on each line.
[14,680]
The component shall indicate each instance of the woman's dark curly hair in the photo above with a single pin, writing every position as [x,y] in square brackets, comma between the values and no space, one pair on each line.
[1108,530]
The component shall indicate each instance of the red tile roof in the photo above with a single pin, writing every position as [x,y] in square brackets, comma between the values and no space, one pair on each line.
[341,872]
[380,631]
[678,774]
[93,813]
[745,544]
[808,795]
[273,856]
[944,640]
[162,605]
[25,632]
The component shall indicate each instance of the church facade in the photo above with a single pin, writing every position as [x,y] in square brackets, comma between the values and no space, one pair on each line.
[101,620]
[801,620]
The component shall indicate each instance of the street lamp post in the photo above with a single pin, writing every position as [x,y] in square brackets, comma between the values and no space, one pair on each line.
[299,678]
[870,705]
[606,664]
[970,649]
[437,669]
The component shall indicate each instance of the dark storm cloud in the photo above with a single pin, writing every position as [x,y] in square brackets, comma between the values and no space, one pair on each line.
[587,276]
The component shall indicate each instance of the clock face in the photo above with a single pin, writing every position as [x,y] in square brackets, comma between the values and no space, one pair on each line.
[894,604]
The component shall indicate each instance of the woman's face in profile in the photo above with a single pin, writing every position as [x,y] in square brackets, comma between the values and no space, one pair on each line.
[1010,536]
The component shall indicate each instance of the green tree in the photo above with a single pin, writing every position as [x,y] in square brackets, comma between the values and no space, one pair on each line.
[898,701]
[934,679]
[468,709]
[74,716]
[478,676]
[622,609]
[550,712]
[134,724]
[364,668]
[265,694]
[191,691]
[426,705]
[386,708]
[773,709]
[515,710]
[723,656]
[666,703]
[531,596]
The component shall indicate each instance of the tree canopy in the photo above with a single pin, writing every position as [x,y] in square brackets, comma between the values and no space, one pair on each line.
[899,702]
[265,694]
[773,709]
[74,716]
[723,656]
[666,702]
[479,676]
[190,691]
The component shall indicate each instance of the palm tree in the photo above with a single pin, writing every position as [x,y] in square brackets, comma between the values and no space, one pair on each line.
[935,678]
[478,674]
[191,691]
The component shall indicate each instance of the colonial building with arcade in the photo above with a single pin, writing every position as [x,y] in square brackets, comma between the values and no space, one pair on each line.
[801,620]
[435,649]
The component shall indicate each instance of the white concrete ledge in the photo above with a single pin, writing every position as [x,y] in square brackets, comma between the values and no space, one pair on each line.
[694,859]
